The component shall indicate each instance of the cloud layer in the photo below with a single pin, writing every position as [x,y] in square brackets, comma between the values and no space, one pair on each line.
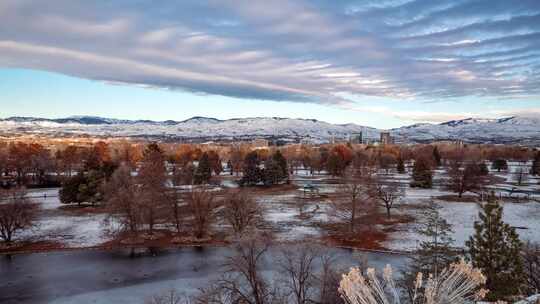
[301,51]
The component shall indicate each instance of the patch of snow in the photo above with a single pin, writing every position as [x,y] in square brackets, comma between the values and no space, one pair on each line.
[47,198]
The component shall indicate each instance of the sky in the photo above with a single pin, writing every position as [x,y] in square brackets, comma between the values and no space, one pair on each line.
[379,63]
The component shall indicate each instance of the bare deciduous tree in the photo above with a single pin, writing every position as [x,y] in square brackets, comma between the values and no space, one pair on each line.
[307,276]
[202,209]
[17,213]
[175,210]
[520,175]
[386,161]
[241,211]
[170,297]
[3,162]
[354,196]
[388,195]
[243,281]
[184,174]
[298,264]
[121,199]
[152,181]
[236,158]
[465,179]
[328,281]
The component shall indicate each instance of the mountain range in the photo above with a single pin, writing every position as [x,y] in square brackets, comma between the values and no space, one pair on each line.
[515,129]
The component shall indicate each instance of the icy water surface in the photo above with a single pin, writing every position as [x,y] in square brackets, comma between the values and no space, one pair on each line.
[116,277]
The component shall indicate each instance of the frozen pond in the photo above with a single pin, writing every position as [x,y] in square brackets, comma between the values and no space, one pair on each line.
[115,277]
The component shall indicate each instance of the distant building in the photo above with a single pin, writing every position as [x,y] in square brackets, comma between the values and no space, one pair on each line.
[356,138]
[386,139]
[338,140]
[306,141]
[260,143]
[459,143]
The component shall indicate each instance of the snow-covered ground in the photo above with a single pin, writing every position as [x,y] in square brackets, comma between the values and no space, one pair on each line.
[47,198]
[462,215]
[54,224]
[72,231]
[524,215]
[284,218]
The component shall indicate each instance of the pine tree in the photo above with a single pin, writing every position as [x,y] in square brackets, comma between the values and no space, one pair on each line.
[483,169]
[152,148]
[400,165]
[89,191]
[204,170]
[437,156]
[282,164]
[69,193]
[422,175]
[495,249]
[535,169]
[275,169]
[252,174]
[230,167]
[499,164]
[215,162]
[436,252]
[83,188]
[272,173]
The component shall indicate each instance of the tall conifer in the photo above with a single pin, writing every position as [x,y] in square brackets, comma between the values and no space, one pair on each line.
[495,249]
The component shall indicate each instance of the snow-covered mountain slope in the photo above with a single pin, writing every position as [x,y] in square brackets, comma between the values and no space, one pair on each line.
[193,128]
[522,130]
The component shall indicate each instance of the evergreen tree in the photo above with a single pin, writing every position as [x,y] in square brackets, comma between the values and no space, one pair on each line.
[275,169]
[499,164]
[483,169]
[215,162]
[252,174]
[230,167]
[422,175]
[435,253]
[400,165]
[204,170]
[69,193]
[90,190]
[151,148]
[535,169]
[495,249]
[272,173]
[437,156]
[85,187]
[282,164]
